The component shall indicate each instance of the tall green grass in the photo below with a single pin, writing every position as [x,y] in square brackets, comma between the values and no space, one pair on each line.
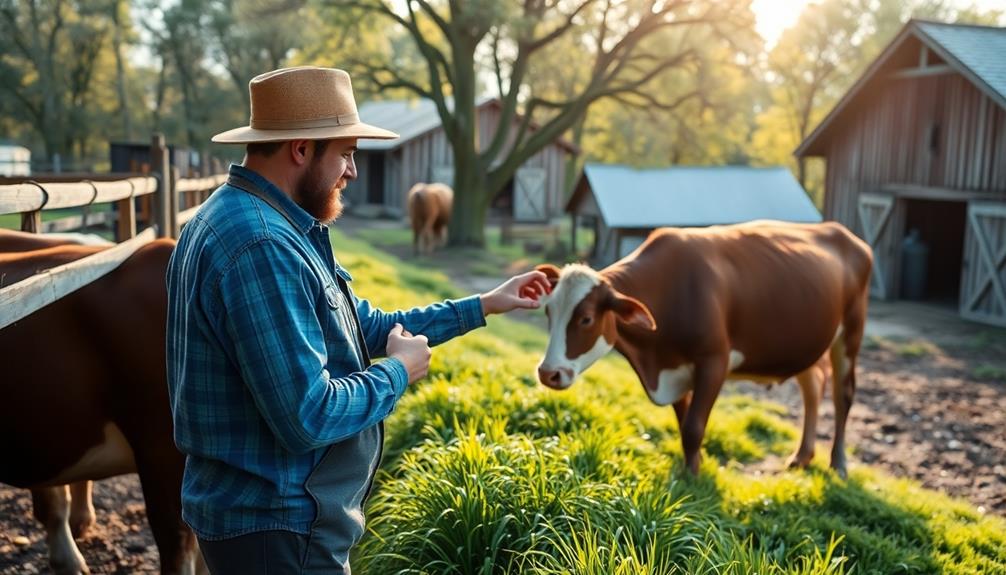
[486,472]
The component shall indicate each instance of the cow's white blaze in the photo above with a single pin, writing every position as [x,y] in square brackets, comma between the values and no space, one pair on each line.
[575,282]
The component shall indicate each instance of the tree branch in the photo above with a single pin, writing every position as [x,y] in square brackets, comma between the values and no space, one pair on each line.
[560,30]
[445,27]
[371,72]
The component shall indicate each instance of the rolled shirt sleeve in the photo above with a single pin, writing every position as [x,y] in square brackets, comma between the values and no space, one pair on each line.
[439,322]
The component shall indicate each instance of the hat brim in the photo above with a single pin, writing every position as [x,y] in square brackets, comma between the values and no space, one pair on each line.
[249,135]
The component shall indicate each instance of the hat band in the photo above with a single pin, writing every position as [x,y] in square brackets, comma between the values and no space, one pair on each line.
[340,120]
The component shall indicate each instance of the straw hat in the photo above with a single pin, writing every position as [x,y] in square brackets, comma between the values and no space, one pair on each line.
[306,102]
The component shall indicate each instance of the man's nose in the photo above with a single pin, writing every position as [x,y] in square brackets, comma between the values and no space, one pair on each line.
[351,169]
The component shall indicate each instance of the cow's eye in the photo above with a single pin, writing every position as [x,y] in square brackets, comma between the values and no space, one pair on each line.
[586,320]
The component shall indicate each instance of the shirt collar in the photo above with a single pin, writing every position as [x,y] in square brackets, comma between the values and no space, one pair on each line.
[302,220]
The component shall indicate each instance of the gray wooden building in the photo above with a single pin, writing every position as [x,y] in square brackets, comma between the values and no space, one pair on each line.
[919,143]
[625,204]
[388,168]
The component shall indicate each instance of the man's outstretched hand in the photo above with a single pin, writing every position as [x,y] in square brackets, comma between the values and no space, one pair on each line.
[519,292]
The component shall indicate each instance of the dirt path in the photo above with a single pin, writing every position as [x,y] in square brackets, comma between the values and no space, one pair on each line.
[929,406]
[929,403]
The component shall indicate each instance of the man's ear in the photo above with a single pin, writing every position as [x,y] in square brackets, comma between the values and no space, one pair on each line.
[300,151]
[631,311]
[551,274]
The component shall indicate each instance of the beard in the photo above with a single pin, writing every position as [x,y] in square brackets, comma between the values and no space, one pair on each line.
[323,201]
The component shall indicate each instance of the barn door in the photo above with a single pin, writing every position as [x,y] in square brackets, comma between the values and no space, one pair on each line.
[983,278]
[875,222]
[529,195]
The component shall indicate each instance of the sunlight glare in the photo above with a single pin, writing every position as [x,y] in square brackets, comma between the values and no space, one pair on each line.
[774,16]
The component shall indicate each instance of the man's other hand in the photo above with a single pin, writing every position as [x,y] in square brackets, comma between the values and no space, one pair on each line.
[519,292]
[411,350]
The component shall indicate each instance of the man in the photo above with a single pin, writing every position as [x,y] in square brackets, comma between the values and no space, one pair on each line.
[276,403]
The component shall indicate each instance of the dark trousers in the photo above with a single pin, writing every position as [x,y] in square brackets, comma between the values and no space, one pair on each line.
[259,553]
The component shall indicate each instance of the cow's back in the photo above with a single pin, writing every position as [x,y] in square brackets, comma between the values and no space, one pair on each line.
[429,205]
[89,359]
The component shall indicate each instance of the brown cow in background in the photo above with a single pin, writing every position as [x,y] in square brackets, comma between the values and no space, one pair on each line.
[429,212]
[85,393]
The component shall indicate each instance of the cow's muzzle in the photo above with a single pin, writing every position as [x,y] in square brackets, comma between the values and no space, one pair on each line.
[559,378]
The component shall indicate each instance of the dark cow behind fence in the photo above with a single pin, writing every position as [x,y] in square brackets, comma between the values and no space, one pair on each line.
[429,213]
[92,365]
[690,308]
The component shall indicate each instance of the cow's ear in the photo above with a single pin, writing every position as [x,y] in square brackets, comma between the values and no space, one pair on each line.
[631,311]
[551,273]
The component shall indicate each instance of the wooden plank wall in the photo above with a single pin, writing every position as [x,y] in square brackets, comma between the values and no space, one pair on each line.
[887,139]
[414,161]
[552,158]
[418,158]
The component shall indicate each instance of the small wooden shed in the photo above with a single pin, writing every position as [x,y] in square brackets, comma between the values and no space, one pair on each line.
[386,169]
[919,143]
[625,204]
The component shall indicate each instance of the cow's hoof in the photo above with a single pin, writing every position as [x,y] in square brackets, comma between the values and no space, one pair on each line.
[799,460]
[79,530]
[71,567]
[79,526]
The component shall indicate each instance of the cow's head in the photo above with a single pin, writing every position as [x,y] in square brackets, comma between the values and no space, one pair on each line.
[584,311]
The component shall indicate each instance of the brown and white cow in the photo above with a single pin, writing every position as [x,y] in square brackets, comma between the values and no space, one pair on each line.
[86,375]
[691,308]
[429,213]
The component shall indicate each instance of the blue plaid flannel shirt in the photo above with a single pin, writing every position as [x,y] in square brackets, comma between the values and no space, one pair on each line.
[261,376]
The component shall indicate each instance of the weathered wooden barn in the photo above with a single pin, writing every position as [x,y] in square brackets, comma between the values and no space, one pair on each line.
[625,204]
[388,168]
[919,143]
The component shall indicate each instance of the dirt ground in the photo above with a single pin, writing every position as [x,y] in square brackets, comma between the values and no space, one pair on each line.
[930,403]
[929,406]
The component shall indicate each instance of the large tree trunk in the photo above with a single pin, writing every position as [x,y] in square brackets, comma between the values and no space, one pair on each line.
[120,72]
[573,163]
[468,219]
[471,193]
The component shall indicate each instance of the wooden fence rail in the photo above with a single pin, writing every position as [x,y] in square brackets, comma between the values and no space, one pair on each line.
[163,189]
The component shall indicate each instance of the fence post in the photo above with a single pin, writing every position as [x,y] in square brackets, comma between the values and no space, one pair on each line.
[126,209]
[176,174]
[206,171]
[31,221]
[160,164]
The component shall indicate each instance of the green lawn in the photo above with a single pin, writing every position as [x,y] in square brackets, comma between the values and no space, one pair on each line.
[497,255]
[485,471]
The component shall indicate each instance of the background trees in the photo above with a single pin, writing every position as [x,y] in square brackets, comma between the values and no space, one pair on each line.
[641,82]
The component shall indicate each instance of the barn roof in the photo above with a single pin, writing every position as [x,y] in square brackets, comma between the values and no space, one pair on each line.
[411,119]
[693,196]
[974,51]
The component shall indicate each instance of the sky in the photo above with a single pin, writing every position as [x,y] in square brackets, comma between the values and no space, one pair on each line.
[774,16]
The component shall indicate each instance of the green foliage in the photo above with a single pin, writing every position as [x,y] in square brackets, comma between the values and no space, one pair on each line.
[987,371]
[487,472]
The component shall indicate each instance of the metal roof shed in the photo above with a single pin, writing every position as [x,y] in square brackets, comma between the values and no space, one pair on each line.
[626,203]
